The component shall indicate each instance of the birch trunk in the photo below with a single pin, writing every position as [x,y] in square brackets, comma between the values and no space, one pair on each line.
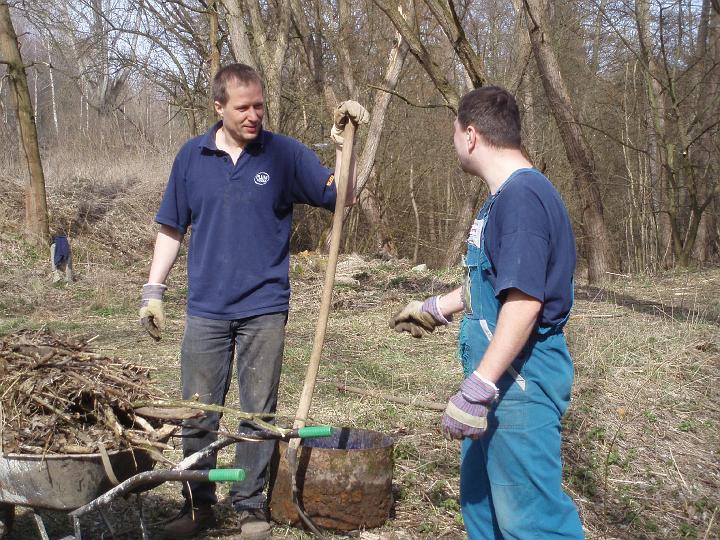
[52,89]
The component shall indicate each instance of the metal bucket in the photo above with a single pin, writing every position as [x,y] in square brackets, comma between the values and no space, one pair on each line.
[344,481]
[63,481]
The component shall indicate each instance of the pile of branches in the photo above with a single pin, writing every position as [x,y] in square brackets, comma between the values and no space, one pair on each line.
[59,397]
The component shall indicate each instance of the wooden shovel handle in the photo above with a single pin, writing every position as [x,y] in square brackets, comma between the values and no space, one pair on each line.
[314,364]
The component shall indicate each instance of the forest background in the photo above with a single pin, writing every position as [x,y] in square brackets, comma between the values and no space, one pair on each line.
[619,102]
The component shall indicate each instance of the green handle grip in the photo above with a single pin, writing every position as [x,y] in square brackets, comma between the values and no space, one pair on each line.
[315,431]
[226,475]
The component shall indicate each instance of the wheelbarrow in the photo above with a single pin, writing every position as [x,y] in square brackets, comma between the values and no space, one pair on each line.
[80,483]
[61,482]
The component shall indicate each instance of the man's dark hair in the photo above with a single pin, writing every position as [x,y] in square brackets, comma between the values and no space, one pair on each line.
[493,112]
[237,73]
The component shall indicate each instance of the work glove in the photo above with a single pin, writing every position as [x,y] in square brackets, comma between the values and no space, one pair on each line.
[152,314]
[347,109]
[419,318]
[466,412]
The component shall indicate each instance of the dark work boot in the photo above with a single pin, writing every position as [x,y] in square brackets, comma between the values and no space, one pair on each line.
[189,522]
[254,524]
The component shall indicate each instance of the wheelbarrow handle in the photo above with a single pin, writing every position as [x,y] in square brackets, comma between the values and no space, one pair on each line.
[265,435]
[309,432]
[184,475]
[314,431]
[152,477]
[225,475]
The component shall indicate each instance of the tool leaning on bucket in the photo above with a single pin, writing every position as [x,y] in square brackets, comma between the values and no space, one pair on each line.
[348,136]
[38,483]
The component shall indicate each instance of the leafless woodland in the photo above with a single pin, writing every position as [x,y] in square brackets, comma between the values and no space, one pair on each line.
[619,102]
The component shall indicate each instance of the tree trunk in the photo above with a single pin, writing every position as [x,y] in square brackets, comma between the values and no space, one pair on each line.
[431,65]
[52,90]
[345,37]
[214,60]
[239,40]
[36,219]
[707,238]
[597,241]
[465,219]
[445,14]
[261,54]
[366,161]
[383,239]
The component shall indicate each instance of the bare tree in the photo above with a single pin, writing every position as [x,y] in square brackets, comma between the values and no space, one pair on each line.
[421,52]
[597,244]
[214,60]
[36,218]
[256,48]
[675,50]
[381,102]
[450,22]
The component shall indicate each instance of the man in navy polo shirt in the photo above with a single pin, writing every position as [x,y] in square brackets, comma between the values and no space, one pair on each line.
[516,299]
[235,186]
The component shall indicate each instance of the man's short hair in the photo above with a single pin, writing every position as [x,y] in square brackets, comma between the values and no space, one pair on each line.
[237,73]
[493,112]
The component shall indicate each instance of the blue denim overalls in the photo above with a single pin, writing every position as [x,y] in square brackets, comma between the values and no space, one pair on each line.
[510,479]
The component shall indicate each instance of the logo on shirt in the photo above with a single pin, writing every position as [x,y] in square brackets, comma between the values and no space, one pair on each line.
[262,178]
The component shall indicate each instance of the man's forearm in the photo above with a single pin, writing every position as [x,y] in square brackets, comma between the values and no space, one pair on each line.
[167,246]
[451,302]
[517,320]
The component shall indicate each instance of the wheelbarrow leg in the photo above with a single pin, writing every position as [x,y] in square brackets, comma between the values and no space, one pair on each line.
[143,529]
[76,527]
[40,525]
[106,520]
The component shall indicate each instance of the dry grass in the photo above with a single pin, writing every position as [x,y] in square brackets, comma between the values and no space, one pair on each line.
[641,437]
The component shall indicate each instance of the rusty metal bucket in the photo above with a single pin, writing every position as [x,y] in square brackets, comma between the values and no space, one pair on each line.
[344,481]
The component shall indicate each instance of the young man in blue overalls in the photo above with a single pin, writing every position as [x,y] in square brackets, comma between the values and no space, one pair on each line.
[516,299]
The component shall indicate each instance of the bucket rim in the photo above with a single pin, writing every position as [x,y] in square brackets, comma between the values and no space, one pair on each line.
[385,440]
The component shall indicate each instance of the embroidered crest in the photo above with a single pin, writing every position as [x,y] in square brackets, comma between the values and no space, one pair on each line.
[262,178]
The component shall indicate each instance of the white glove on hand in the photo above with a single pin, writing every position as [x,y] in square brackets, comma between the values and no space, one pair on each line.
[152,314]
[347,110]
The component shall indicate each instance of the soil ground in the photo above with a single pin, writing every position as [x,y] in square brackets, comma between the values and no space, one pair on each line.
[640,438]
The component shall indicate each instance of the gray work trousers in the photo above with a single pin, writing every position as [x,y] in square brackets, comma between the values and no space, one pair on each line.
[208,350]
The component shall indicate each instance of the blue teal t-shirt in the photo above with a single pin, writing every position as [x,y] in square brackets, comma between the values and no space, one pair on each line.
[241,214]
[530,243]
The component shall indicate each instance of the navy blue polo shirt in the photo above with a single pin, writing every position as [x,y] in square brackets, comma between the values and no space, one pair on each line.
[241,214]
[530,243]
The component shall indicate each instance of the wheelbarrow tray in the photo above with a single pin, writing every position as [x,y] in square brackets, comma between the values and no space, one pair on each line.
[64,481]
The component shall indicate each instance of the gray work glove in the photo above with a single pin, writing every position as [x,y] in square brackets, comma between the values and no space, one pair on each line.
[466,412]
[152,314]
[347,110]
[419,318]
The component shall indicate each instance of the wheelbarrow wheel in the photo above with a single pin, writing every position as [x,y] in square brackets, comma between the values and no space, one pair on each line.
[7,516]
